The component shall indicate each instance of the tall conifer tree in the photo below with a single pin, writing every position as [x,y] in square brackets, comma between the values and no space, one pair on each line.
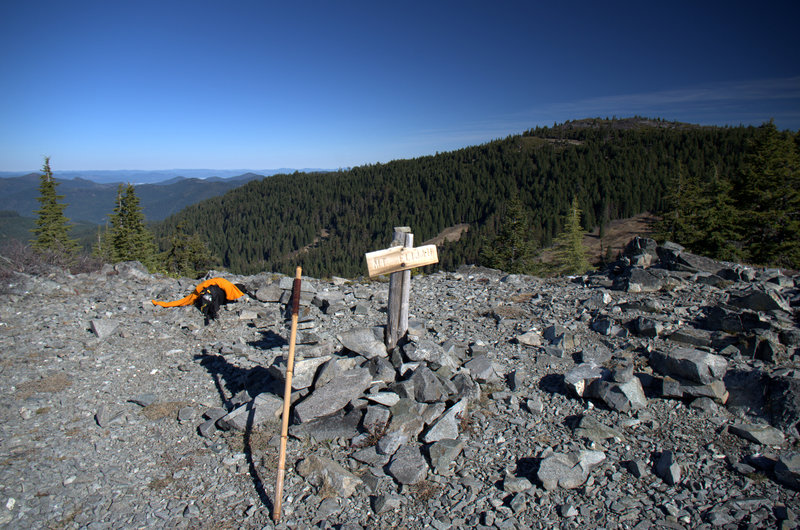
[770,198]
[512,250]
[52,229]
[128,238]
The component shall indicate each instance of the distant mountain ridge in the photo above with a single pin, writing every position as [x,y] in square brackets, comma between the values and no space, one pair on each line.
[144,176]
[91,201]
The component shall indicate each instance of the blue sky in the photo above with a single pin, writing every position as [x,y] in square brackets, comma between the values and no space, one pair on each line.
[256,84]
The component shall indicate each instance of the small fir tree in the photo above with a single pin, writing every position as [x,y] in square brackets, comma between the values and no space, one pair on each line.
[52,228]
[512,250]
[128,238]
[187,255]
[570,253]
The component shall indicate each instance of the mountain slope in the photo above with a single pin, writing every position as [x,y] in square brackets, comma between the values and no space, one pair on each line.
[616,169]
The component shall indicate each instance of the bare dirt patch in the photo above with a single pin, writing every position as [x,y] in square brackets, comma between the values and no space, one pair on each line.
[451,234]
[618,234]
[52,383]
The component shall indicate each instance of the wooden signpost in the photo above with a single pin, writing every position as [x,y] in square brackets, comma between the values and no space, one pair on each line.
[398,260]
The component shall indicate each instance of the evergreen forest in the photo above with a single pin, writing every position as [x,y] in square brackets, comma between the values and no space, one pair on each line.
[605,168]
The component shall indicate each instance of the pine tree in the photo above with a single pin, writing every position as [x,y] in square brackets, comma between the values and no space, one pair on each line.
[570,253]
[128,239]
[52,229]
[187,255]
[512,250]
[679,222]
[717,217]
[770,198]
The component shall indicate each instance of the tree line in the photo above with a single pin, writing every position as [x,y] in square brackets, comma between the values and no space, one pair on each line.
[326,222]
[729,192]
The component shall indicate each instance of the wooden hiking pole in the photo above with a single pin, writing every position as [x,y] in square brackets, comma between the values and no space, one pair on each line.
[287,398]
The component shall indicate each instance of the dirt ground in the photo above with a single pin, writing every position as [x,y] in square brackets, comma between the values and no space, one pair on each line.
[617,235]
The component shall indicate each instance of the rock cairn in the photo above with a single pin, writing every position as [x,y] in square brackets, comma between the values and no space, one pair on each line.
[660,392]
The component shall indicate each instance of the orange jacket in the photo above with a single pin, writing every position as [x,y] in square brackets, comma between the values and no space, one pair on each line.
[231,293]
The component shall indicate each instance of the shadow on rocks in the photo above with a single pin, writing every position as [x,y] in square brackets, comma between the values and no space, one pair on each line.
[269,339]
[258,484]
[230,379]
[553,384]
[527,468]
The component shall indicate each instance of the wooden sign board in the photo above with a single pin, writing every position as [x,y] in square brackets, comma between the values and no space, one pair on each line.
[398,259]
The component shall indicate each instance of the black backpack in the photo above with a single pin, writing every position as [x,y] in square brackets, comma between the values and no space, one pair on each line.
[210,299]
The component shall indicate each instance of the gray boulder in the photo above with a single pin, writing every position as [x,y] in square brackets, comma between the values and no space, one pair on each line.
[596,431]
[328,476]
[647,327]
[482,369]
[408,466]
[428,351]
[787,470]
[622,397]
[262,409]
[443,453]
[783,399]
[760,434]
[668,469]
[637,280]
[758,300]
[448,425]
[363,342]
[104,328]
[694,365]
[595,353]
[579,378]
[568,471]
[303,371]
[333,396]
[427,387]
[269,293]
[333,427]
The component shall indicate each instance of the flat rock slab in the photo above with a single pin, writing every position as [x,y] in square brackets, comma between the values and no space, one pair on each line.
[443,453]
[303,371]
[482,369]
[694,365]
[622,397]
[568,471]
[579,378]
[363,342]
[333,396]
[597,431]
[103,328]
[408,466]
[787,470]
[328,475]
[760,434]
[334,427]
[448,425]
[264,408]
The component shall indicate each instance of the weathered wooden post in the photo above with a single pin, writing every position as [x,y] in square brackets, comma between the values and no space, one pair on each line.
[399,291]
[398,260]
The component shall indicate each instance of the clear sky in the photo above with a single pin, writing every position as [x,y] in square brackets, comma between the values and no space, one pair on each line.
[141,84]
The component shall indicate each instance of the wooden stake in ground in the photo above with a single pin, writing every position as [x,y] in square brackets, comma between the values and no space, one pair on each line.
[287,398]
[399,290]
[398,260]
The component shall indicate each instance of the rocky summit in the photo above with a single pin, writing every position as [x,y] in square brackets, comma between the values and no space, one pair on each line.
[663,391]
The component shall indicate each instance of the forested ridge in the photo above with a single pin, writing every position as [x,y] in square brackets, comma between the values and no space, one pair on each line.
[614,168]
